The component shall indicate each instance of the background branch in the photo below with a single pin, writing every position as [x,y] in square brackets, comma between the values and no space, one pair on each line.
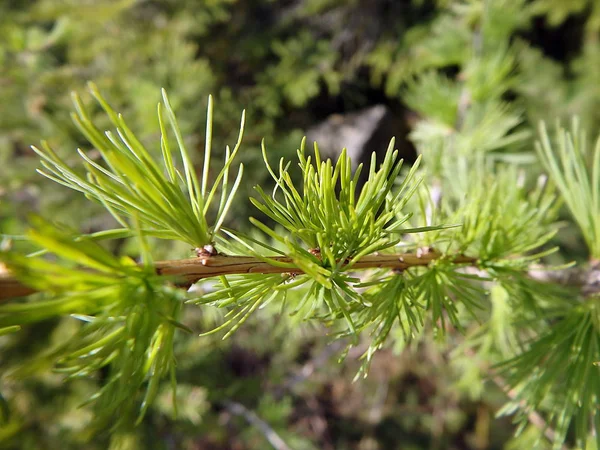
[270,435]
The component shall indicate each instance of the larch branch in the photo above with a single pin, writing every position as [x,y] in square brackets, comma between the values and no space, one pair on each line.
[189,271]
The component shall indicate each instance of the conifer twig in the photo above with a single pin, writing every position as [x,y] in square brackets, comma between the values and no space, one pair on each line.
[10,287]
[533,417]
[252,418]
[189,271]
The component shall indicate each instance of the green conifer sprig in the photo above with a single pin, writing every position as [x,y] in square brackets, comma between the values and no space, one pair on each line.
[167,203]
[556,374]
[328,215]
[128,314]
[569,166]
[329,228]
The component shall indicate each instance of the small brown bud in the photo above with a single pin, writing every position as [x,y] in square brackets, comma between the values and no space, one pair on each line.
[206,251]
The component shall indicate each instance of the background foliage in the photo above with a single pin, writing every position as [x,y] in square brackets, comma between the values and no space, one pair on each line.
[471,79]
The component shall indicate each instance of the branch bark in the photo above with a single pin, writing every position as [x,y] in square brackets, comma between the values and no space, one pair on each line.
[189,271]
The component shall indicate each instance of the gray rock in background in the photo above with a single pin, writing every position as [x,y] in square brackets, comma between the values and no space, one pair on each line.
[361,132]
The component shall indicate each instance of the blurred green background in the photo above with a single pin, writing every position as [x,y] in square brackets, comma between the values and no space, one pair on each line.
[296,66]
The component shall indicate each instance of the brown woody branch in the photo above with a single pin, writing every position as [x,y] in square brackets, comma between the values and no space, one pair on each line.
[189,271]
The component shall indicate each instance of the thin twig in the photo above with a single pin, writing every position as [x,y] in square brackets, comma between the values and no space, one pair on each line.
[586,279]
[307,370]
[10,287]
[533,417]
[189,271]
[250,416]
